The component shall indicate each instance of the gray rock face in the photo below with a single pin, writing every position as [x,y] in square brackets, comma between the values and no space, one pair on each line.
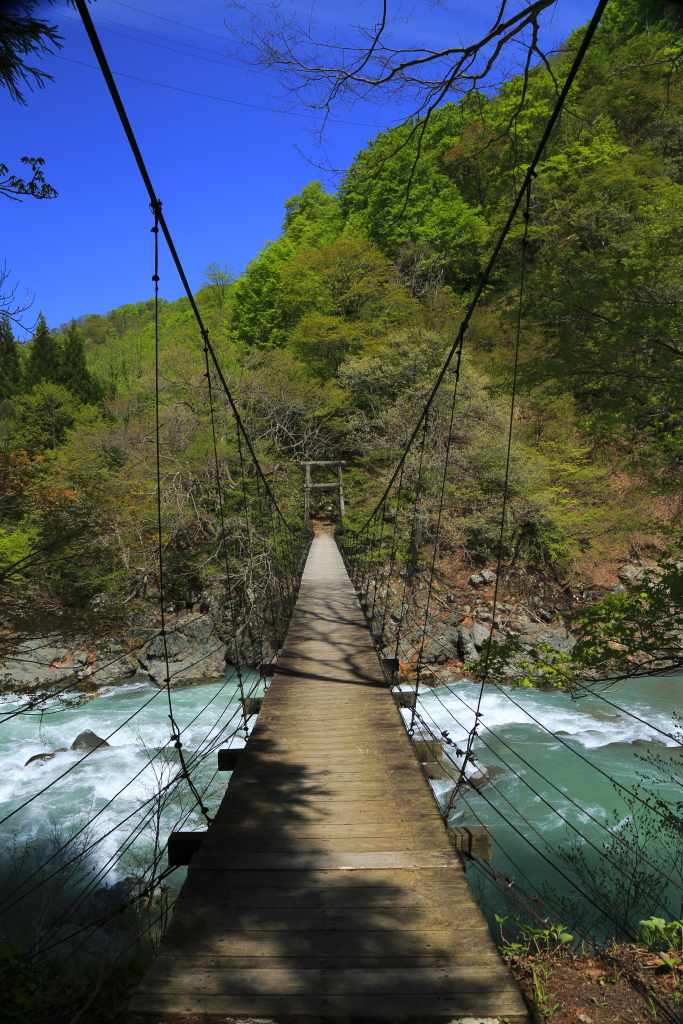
[479,634]
[88,740]
[199,647]
[558,639]
[197,627]
[630,573]
[488,576]
[441,647]
[198,663]
[38,663]
[476,580]
[468,651]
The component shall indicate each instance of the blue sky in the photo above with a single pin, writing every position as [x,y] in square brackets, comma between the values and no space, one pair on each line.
[222,169]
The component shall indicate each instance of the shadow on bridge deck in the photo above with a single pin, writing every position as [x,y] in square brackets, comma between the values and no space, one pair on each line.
[327,885]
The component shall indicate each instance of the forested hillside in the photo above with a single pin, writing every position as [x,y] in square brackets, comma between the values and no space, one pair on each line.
[332,336]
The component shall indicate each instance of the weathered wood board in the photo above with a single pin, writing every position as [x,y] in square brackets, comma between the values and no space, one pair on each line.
[327,884]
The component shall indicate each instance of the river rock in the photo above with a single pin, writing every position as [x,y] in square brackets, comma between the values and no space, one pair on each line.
[466,648]
[45,757]
[103,901]
[88,740]
[479,778]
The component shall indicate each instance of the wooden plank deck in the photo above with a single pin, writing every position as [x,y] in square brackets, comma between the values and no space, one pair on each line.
[327,885]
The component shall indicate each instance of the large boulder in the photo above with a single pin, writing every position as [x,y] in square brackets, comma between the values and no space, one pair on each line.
[630,573]
[466,647]
[559,639]
[480,633]
[442,647]
[88,740]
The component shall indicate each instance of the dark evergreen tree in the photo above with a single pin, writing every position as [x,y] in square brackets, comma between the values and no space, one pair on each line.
[73,372]
[44,357]
[10,365]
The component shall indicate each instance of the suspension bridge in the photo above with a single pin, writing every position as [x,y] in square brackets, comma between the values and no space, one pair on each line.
[327,883]
[330,882]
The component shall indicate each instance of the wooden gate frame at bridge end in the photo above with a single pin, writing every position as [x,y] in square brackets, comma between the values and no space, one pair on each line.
[338,485]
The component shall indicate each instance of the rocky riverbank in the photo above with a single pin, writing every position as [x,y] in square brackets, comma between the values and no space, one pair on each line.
[201,641]
[445,629]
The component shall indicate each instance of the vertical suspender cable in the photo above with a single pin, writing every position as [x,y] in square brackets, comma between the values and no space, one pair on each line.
[503,512]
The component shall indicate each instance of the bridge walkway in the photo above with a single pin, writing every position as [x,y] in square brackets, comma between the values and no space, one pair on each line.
[327,885]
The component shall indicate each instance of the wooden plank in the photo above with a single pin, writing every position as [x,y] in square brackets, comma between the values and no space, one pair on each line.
[335,919]
[414,942]
[333,830]
[462,1004]
[315,962]
[214,855]
[380,981]
[369,900]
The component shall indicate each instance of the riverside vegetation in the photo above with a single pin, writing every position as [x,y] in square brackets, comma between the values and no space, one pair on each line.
[330,341]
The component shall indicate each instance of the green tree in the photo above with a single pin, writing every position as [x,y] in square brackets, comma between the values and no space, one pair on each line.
[218,277]
[43,416]
[261,313]
[349,295]
[44,357]
[23,35]
[73,370]
[10,365]
[312,217]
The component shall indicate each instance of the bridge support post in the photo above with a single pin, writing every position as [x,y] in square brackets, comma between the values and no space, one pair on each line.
[308,486]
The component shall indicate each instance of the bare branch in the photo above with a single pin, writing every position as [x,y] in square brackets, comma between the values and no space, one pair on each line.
[320,72]
[10,306]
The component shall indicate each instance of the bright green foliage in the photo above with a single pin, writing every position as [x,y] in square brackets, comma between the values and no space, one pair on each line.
[217,281]
[10,365]
[44,415]
[44,357]
[312,218]
[658,934]
[416,214]
[73,370]
[636,632]
[261,314]
[639,14]
[349,295]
